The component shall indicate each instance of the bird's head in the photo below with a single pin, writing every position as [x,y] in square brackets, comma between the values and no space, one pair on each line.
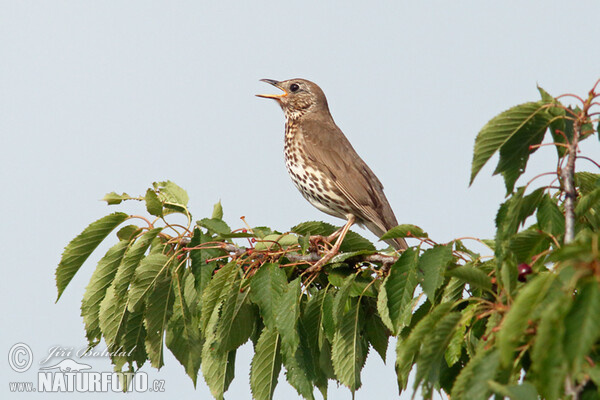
[298,98]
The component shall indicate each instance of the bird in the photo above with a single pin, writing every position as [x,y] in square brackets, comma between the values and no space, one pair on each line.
[326,169]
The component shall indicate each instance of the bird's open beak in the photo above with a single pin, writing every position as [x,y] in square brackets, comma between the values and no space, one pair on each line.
[273,96]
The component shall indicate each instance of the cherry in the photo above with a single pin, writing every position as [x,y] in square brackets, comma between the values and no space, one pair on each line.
[524,270]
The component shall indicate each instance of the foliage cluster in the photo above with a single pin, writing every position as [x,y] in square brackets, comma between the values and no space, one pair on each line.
[523,323]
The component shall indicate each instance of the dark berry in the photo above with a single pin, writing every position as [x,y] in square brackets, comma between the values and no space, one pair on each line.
[524,270]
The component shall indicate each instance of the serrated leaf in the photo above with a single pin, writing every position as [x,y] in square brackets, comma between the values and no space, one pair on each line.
[146,275]
[341,298]
[431,355]
[267,287]
[275,242]
[171,193]
[454,350]
[113,308]
[328,320]
[183,331]
[349,350]
[128,232]
[399,289]
[159,307]
[131,342]
[404,231]
[314,228]
[218,369]
[473,276]
[432,266]
[153,204]
[377,334]
[587,202]
[80,248]
[287,314]
[547,355]
[524,391]
[549,217]
[526,244]
[511,133]
[472,382]
[237,320]
[216,292]
[113,198]
[582,324]
[217,226]
[407,349]
[266,365]
[352,242]
[516,320]
[217,211]
[96,290]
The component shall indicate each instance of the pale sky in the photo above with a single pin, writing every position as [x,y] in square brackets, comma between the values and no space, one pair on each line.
[113,95]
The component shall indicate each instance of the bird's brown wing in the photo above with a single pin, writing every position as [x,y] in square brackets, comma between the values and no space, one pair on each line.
[331,151]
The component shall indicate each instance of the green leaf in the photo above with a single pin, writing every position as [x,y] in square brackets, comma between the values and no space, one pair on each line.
[218,369]
[266,365]
[287,314]
[217,226]
[349,351]
[582,324]
[267,287]
[153,204]
[400,286]
[472,382]
[328,321]
[455,347]
[80,248]
[377,334]
[275,242]
[96,290]
[170,192]
[407,349]
[113,308]
[516,320]
[432,266]
[217,211]
[549,217]
[113,198]
[528,243]
[314,228]
[146,275]
[352,242]
[547,355]
[524,391]
[511,133]
[128,232]
[431,355]
[341,298]
[183,332]
[587,181]
[237,320]
[473,276]
[216,292]
[159,307]
[403,231]
[587,202]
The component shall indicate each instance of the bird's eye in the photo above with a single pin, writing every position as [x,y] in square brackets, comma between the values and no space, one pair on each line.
[294,87]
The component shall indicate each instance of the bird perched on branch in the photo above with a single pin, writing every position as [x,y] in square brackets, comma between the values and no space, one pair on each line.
[325,167]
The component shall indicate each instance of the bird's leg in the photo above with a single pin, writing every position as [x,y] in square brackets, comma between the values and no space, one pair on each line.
[336,248]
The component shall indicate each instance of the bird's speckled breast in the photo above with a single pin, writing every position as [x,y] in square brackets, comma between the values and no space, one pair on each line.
[317,188]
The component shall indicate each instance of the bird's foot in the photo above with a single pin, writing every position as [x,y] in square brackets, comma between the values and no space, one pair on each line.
[316,267]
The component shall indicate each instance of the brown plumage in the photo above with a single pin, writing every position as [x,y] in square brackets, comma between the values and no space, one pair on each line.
[325,167]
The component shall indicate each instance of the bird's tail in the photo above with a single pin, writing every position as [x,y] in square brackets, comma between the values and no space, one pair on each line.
[398,243]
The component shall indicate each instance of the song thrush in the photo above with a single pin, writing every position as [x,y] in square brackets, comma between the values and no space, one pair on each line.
[325,167]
